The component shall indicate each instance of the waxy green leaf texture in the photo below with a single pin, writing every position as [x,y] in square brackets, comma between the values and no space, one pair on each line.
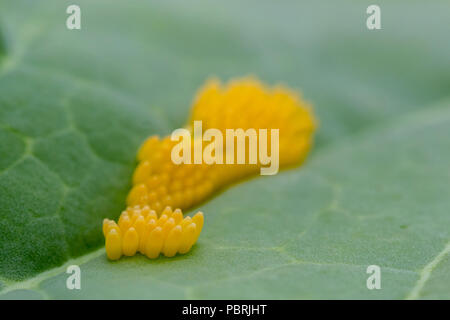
[75,106]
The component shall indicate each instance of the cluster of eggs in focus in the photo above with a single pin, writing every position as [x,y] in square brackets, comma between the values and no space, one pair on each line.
[139,229]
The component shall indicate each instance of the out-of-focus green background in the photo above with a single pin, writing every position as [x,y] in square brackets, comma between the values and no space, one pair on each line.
[146,49]
[75,105]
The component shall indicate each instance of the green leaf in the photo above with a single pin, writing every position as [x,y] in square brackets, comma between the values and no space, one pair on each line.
[75,105]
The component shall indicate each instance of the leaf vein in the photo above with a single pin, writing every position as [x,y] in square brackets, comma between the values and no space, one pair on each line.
[425,273]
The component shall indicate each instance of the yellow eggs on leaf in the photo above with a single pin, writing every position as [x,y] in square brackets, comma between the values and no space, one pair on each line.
[168,235]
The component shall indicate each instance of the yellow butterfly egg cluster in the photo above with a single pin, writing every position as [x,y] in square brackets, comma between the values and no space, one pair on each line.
[245,104]
[140,230]
[158,182]
[249,104]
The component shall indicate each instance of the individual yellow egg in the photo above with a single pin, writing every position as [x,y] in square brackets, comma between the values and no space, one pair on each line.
[145,211]
[186,221]
[130,242]
[122,216]
[139,225]
[167,227]
[198,219]
[136,214]
[177,216]
[187,238]
[125,223]
[172,242]
[113,245]
[149,226]
[167,211]
[154,243]
[142,172]
[108,225]
[138,195]
[152,215]
[162,220]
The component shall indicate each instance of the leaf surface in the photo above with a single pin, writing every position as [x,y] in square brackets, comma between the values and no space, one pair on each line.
[75,105]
